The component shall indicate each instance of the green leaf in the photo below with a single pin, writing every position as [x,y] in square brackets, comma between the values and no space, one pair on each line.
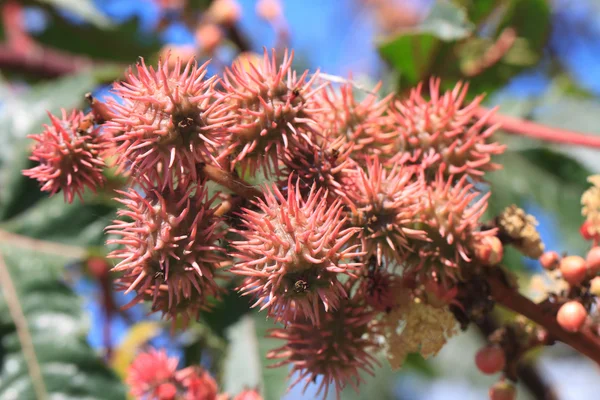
[246,364]
[84,9]
[51,219]
[446,21]
[552,180]
[227,311]
[23,115]
[122,43]
[69,367]
[413,51]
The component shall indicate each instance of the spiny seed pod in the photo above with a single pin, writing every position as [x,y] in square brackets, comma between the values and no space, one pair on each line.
[248,394]
[337,350]
[269,103]
[571,316]
[490,359]
[169,120]
[380,289]
[383,206]
[325,163]
[441,131]
[360,123]
[573,269]
[170,251]
[592,260]
[197,383]
[550,260]
[151,373]
[449,213]
[69,155]
[292,252]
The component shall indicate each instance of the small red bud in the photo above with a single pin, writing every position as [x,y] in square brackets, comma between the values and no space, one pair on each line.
[489,250]
[503,391]
[490,359]
[571,316]
[549,260]
[573,269]
[584,230]
[593,260]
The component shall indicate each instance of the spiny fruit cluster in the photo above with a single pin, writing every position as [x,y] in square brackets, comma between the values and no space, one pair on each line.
[367,218]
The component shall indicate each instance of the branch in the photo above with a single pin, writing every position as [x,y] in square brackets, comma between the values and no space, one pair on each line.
[229,181]
[584,341]
[42,61]
[16,313]
[493,54]
[537,131]
[526,371]
[57,249]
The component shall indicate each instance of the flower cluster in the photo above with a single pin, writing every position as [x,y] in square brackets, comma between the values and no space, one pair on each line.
[370,221]
[153,375]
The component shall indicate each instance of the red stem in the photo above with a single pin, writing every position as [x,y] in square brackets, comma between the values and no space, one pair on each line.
[583,341]
[536,131]
[41,61]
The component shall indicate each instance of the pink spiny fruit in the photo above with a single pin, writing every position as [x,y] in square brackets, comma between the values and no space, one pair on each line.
[69,155]
[442,130]
[149,372]
[360,123]
[197,384]
[383,206]
[449,212]
[381,288]
[269,103]
[248,394]
[292,252]
[170,119]
[325,162]
[342,346]
[170,250]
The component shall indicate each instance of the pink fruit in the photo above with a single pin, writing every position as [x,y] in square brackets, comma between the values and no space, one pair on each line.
[573,269]
[571,316]
[490,359]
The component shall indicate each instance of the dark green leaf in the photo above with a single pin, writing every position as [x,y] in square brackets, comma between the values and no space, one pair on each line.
[69,366]
[413,51]
[77,224]
[552,180]
[122,43]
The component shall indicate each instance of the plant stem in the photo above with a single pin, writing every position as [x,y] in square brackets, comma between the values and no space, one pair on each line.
[42,61]
[583,341]
[16,313]
[537,131]
[43,246]
[229,181]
